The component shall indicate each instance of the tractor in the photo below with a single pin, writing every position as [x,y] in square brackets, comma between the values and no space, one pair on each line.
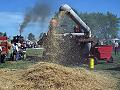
[5,48]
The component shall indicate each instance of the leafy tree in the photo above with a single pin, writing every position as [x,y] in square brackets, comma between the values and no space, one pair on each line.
[5,34]
[31,36]
[102,25]
[1,33]
[113,25]
[41,35]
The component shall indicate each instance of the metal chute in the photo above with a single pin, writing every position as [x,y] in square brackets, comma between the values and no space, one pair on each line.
[69,11]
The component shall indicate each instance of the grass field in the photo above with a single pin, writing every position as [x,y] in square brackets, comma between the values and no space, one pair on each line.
[21,64]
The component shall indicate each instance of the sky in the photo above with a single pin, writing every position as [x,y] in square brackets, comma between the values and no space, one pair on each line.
[12,12]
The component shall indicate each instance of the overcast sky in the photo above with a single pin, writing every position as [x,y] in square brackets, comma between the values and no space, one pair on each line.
[12,12]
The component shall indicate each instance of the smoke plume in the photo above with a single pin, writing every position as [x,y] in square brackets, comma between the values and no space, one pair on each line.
[40,12]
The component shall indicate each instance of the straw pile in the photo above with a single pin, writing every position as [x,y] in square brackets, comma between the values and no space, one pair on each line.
[49,76]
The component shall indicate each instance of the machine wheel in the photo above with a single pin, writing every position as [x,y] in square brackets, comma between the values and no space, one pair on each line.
[2,58]
[110,60]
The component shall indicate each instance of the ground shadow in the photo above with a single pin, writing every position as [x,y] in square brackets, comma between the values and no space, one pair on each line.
[115,69]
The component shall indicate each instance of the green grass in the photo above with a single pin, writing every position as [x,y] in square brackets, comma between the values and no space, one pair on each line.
[108,66]
[22,64]
[34,52]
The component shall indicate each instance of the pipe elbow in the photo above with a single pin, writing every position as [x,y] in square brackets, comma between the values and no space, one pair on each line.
[65,7]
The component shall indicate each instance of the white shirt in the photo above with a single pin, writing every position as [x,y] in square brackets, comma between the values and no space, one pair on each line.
[19,44]
[0,48]
[15,47]
[116,44]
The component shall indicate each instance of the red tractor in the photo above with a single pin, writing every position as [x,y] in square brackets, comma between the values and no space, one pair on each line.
[5,47]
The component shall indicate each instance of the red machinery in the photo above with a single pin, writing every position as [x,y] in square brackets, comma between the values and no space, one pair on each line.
[4,44]
[103,52]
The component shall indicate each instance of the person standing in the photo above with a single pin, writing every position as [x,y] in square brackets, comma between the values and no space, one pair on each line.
[0,49]
[116,46]
[2,56]
[0,53]
[15,52]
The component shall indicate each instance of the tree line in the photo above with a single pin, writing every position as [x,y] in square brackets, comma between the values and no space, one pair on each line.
[3,34]
[103,25]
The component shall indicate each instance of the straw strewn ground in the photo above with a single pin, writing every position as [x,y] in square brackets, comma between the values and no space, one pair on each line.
[49,76]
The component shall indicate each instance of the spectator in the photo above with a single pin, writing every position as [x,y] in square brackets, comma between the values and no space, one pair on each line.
[101,42]
[19,45]
[0,49]
[15,52]
[0,53]
[2,56]
[116,46]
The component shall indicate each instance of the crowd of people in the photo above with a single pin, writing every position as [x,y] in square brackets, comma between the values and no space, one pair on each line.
[18,49]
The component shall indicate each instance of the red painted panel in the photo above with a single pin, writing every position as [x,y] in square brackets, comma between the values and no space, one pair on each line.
[105,51]
[3,38]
